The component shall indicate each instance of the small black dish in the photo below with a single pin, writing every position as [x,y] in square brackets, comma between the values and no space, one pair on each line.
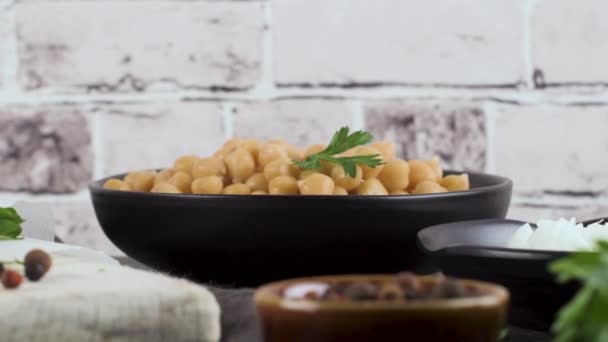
[474,249]
[248,240]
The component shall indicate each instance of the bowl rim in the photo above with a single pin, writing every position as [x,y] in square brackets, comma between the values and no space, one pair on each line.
[489,251]
[501,182]
[266,295]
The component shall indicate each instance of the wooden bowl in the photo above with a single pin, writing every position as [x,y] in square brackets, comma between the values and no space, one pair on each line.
[467,319]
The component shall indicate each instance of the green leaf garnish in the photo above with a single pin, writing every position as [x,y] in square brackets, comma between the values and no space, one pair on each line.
[342,142]
[10,224]
[585,317]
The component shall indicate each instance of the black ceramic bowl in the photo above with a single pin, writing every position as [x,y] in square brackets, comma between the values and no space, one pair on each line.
[248,240]
[476,250]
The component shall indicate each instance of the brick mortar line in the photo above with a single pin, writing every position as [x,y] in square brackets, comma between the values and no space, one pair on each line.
[266,87]
[527,9]
[9,69]
[558,201]
[533,97]
[97,145]
[490,126]
[227,120]
[9,198]
[357,115]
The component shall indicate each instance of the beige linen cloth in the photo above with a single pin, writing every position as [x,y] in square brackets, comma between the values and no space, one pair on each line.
[85,300]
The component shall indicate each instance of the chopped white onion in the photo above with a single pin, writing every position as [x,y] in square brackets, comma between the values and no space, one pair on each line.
[560,235]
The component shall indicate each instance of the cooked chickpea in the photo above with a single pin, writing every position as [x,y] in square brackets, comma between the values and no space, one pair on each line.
[229,146]
[395,175]
[250,166]
[435,164]
[304,174]
[294,153]
[420,171]
[240,165]
[327,167]
[428,187]
[317,184]
[456,182]
[185,163]
[314,149]
[283,185]
[116,184]
[342,179]
[280,167]
[253,146]
[209,185]
[257,182]
[277,142]
[349,153]
[143,181]
[163,176]
[387,149]
[340,191]
[166,188]
[371,187]
[369,172]
[182,181]
[220,154]
[211,166]
[232,144]
[237,189]
[270,152]
[130,178]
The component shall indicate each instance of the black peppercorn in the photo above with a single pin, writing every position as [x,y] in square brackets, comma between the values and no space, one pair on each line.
[37,263]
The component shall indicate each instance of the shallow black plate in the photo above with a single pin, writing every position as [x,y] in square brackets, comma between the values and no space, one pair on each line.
[250,240]
[475,250]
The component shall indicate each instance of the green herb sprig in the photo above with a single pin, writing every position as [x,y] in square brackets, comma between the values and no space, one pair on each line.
[341,142]
[10,224]
[585,317]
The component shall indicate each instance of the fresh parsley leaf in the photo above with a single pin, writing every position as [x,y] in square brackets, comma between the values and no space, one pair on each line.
[10,224]
[585,317]
[341,142]
[503,334]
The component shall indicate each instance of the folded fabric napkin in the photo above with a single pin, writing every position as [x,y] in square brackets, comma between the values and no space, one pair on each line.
[88,298]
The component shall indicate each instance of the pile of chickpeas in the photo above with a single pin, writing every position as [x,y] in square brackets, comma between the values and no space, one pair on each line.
[249,166]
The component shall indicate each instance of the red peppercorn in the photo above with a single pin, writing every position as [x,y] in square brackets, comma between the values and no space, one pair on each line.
[311,295]
[11,279]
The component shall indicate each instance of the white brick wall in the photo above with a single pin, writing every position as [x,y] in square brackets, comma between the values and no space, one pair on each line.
[463,42]
[150,80]
[5,34]
[118,45]
[553,148]
[569,41]
[301,122]
[152,135]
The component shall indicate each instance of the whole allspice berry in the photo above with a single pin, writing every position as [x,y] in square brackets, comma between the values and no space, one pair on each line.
[361,291]
[391,291]
[37,264]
